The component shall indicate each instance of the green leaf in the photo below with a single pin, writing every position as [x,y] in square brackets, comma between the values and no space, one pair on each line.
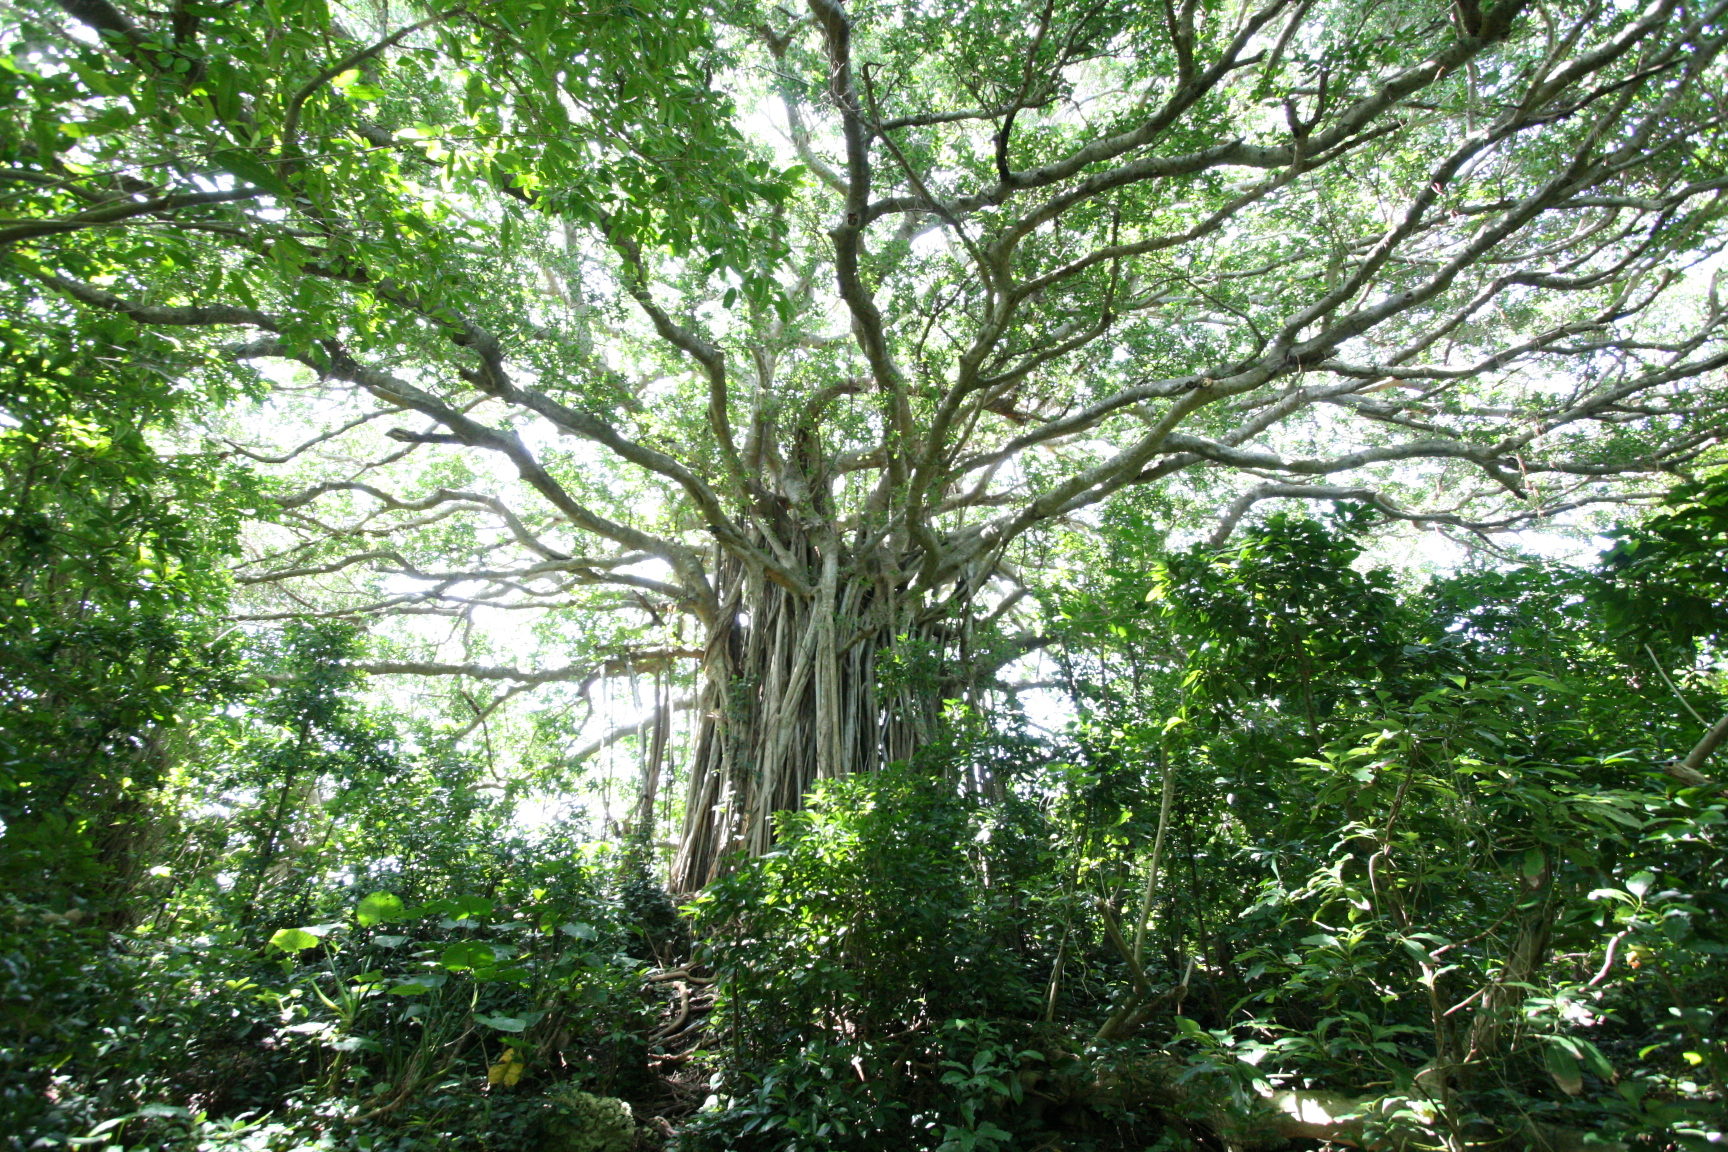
[1563,1066]
[1534,863]
[1595,1061]
[379,908]
[468,954]
[292,940]
[253,170]
[459,907]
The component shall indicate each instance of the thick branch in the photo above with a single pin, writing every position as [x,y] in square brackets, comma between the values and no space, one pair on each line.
[646,660]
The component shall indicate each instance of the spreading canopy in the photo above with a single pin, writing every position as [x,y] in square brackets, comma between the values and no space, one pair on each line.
[804,323]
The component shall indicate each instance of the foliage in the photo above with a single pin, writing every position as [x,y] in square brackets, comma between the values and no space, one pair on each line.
[876,937]
[1418,838]
[111,587]
[380,1025]
[584,1122]
[1414,846]
[987,362]
[109,645]
[860,375]
[1666,573]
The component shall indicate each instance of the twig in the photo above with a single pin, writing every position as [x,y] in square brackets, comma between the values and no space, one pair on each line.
[1672,687]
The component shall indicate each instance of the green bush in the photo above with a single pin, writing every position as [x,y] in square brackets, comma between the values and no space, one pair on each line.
[860,964]
[582,1122]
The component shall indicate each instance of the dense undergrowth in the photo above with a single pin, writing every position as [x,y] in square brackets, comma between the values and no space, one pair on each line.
[1427,855]
[1417,854]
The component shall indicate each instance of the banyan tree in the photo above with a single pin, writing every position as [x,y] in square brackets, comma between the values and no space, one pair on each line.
[778,344]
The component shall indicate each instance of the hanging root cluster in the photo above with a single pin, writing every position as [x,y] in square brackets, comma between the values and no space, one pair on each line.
[794,692]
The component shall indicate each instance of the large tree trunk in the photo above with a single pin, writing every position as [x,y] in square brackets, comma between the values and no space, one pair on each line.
[793,693]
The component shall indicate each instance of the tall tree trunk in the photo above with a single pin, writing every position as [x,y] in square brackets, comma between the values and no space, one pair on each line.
[793,692]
